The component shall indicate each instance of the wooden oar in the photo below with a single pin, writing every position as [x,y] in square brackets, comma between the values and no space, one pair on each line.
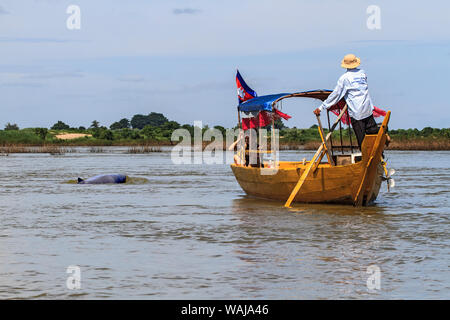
[302,178]
[311,164]
[330,158]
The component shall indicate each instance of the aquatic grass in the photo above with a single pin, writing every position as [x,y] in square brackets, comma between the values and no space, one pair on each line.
[51,149]
[420,144]
[143,149]
[96,150]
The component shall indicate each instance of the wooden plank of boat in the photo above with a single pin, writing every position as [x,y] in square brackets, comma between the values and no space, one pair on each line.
[360,193]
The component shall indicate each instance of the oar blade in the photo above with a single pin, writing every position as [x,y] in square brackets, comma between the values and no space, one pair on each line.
[391,183]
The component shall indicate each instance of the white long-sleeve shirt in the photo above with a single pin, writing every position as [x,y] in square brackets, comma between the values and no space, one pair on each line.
[352,86]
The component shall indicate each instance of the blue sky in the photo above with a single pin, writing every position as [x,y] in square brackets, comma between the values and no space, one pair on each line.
[180,58]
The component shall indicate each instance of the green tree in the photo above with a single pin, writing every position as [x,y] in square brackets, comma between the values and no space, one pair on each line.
[122,124]
[427,131]
[125,133]
[60,126]
[10,126]
[157,119]
[41,132]
[102,133]
[135,135]
[170,125]
[115,126]
[149,132]
[95,124]
[125,123]
[139,121]
[279,124]
[106,134]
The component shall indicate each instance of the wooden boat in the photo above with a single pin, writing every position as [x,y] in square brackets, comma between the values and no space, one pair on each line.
[350,178]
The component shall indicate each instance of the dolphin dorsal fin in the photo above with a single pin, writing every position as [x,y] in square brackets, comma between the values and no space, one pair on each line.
[80,180]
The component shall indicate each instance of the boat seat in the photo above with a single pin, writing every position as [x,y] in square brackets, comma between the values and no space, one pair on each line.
[344,159]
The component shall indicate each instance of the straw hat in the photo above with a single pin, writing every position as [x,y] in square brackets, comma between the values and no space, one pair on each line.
[350,61]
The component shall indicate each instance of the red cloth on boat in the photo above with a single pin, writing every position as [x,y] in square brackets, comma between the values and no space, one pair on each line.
[279,114]
[377,112]
[263,119]
[248,123]
[337,108]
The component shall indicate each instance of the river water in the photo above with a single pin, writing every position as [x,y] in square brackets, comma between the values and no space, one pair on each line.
[189,232]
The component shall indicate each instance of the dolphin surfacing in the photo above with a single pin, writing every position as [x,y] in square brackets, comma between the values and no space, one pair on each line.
[104,178]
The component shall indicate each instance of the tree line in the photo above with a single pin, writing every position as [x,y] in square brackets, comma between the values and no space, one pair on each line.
[156,127]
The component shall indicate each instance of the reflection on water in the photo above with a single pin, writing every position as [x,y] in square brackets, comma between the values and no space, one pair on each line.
[190,232]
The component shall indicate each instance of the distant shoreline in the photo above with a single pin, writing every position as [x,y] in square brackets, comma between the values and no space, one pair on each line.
[137,146]
[143,132]
[41,139]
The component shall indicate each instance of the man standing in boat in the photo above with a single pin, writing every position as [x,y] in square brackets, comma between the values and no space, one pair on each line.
[352,86]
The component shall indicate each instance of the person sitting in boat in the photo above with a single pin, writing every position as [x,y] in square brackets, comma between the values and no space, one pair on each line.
[352,86]
[233,147]
[237,158]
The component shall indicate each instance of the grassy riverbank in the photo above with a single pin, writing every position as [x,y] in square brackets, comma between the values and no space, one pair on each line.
[425,144]
[401,139]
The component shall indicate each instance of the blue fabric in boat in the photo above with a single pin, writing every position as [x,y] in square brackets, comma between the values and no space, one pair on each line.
[262,103]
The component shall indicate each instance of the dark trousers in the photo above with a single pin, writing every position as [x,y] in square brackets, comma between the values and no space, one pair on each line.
[363,127]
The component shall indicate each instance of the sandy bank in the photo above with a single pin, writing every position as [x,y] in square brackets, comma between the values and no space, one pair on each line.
[69,136]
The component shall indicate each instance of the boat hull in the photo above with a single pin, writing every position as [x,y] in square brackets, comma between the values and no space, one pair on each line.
[327,184]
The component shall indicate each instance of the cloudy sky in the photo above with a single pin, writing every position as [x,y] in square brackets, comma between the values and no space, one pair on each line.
[180,58]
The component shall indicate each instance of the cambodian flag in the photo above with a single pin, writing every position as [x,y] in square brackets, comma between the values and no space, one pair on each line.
[243,90]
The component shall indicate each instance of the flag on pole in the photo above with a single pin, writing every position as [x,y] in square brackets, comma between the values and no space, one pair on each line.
[243,90]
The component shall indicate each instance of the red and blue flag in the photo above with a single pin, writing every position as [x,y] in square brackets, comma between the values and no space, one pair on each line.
[243,90]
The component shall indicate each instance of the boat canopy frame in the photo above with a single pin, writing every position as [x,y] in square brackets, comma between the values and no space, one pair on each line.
[269,103]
